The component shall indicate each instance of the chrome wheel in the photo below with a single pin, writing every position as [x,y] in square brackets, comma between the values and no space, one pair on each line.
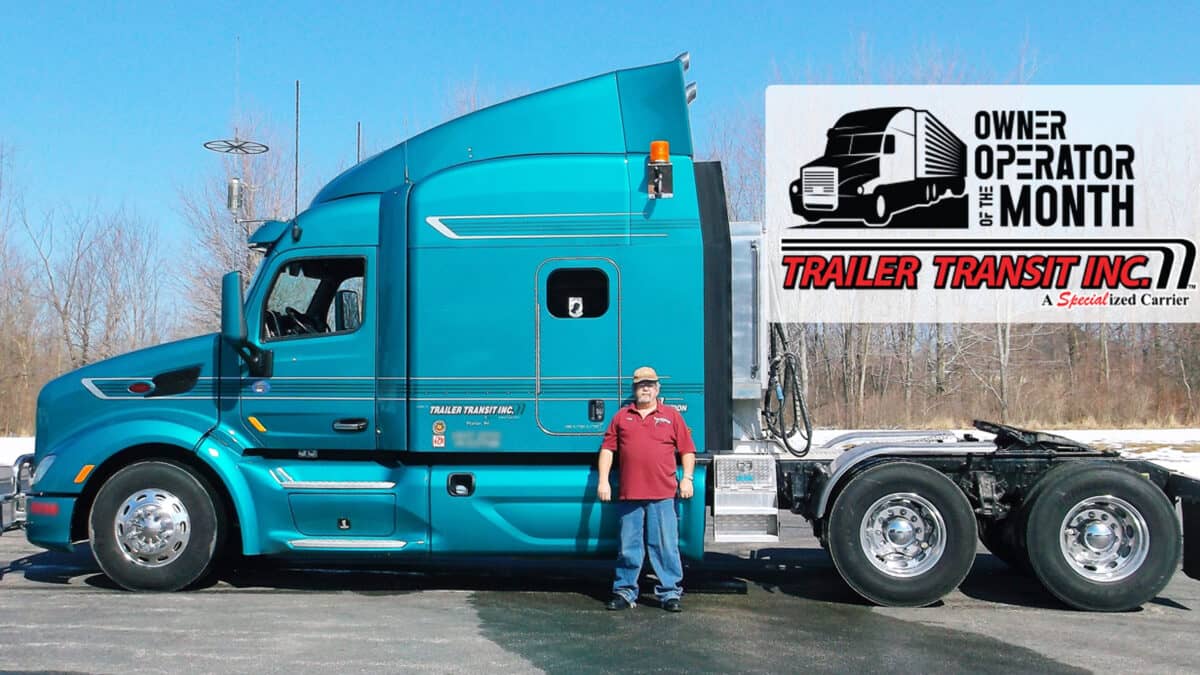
[152,527]
[903,535]
[1104,539]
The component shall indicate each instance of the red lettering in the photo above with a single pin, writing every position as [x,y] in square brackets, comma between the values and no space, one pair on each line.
[856,271]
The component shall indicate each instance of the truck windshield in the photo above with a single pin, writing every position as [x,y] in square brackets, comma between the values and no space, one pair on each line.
[838,145]
[854,144]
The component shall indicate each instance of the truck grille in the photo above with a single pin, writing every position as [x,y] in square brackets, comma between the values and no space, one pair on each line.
[820,187]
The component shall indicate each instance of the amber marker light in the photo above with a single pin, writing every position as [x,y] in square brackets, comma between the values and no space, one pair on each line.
[84,473]
[256,424]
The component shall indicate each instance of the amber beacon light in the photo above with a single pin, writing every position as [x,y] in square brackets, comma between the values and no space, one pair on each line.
[659,182]
[660,151]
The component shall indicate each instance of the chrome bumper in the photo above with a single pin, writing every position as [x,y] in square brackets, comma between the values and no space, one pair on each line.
[14,485]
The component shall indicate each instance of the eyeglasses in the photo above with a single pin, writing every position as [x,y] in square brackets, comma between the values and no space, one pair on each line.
[646,384]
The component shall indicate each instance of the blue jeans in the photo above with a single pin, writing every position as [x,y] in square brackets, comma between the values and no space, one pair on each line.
[652,525]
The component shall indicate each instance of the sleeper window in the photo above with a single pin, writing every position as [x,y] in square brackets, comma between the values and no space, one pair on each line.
[577,293]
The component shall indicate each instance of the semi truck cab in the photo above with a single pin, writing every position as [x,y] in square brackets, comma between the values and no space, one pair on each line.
[424,362]
[879,161]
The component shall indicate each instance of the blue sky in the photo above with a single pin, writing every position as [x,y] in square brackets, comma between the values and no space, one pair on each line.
[109,103]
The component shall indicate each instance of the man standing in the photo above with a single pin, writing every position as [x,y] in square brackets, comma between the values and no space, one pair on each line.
[647,435]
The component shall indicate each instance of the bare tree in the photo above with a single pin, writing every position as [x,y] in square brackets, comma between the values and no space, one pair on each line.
[18,316]
[98,277]
[736,140]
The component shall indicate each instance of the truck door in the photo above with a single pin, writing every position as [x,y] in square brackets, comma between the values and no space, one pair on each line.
[578,378]
[318,320]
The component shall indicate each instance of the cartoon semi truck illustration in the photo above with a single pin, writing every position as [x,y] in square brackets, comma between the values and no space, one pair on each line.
[423,366]
[877,162]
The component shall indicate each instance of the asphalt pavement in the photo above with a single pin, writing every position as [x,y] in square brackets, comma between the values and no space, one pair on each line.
[777,609]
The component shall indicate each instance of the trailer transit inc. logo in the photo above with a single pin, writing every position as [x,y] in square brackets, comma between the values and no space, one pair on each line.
[982,204]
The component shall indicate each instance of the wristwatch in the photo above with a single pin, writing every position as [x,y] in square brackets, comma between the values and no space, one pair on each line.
[686,477]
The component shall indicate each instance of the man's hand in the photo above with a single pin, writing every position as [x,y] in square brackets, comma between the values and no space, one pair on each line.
[686,489]
[604,464]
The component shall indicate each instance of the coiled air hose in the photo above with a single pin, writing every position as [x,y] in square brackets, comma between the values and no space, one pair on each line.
[783,383]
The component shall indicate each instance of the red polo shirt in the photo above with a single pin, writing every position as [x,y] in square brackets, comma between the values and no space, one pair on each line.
[647,447]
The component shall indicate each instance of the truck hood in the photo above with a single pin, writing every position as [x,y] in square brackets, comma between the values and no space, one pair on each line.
[182,375]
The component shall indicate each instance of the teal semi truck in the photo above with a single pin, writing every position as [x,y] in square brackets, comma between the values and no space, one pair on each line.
[426,358]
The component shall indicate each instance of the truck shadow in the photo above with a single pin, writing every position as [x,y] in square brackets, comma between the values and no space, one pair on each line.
[992,580]
[802,573]
[52,567]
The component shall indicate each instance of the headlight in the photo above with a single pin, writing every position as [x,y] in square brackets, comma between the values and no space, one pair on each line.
[43,467]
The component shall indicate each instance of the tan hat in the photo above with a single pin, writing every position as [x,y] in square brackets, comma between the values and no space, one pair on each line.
[644,374]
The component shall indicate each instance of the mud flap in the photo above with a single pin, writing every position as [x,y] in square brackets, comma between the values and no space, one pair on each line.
[1187,490]
[1191,537]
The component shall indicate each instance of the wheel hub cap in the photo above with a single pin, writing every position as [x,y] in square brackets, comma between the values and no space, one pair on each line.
[899,532]
[1098,536]
[152,527]
[1104,538]
[903,534]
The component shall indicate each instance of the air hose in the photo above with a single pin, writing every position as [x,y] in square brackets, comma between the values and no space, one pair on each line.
[783,385]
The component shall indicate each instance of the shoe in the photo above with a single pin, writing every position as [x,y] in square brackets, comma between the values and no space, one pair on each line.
[672,605]
[619,602]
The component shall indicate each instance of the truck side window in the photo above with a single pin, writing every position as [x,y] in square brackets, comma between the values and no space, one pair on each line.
[889,145]
[577,293]
[315,296]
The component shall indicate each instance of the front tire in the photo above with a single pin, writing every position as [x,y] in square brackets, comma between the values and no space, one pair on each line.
[879,210]
[155,526]
[902,535]
[1103,539]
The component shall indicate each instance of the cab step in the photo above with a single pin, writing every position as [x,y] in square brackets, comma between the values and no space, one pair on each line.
[745,499]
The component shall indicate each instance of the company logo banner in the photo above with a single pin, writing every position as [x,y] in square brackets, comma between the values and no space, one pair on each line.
[959,204]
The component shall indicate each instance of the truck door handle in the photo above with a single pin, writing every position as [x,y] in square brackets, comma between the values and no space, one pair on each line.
[461,484]
[350,424]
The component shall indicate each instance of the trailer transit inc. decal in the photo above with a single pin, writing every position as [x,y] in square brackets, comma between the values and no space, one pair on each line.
[982,203]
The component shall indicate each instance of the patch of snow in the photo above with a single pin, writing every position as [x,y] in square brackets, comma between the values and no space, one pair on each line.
[12,448]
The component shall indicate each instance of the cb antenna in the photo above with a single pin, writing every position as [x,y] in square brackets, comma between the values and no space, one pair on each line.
[236,145]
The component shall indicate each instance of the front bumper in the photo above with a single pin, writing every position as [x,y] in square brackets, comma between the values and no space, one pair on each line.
[14,485]
[49,523]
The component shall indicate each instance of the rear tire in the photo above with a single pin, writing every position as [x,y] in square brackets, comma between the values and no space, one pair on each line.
[902,535]
[1102,538]
[156,526]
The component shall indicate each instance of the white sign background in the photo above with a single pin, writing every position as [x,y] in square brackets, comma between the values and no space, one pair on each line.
[1160,122]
